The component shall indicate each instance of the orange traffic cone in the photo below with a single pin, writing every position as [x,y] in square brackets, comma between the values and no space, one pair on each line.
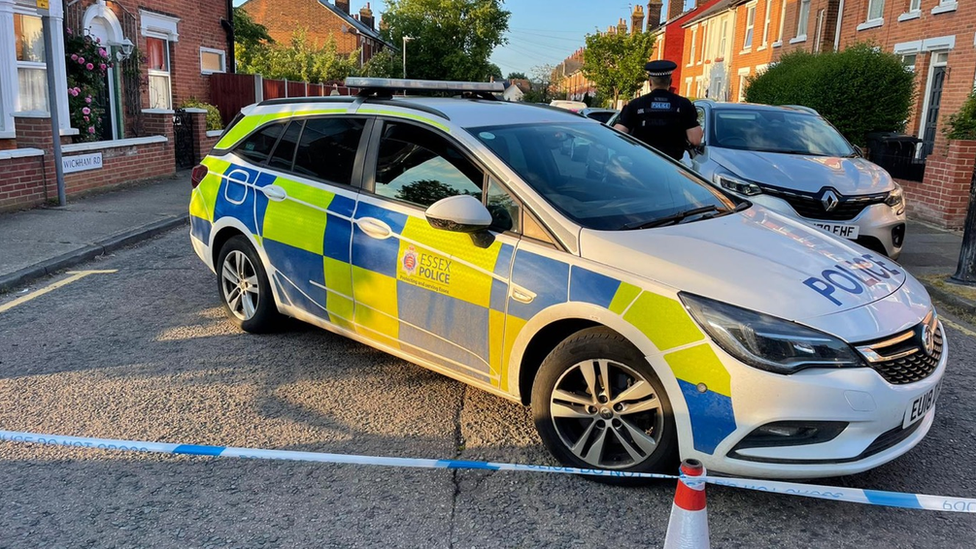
[688,526]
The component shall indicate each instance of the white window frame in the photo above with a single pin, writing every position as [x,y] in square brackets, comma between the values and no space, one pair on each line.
[782,24]
[914,11]
[168,73]
[223,60]
[28,65]
[743,76]
[694,38]
[750,34]
[701,54]
[766,21]
[878,7]
[688,82]
[945,6]
[934,61]
[803,14]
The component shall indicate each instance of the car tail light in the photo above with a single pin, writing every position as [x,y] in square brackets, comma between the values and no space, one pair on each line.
[197,175]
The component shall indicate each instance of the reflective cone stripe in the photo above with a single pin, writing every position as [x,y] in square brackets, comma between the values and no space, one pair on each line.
[691,498]
[688,525]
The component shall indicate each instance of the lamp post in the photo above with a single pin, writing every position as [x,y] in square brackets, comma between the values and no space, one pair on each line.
[405,40]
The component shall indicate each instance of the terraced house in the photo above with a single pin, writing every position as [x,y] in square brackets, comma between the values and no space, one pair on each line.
[116,107]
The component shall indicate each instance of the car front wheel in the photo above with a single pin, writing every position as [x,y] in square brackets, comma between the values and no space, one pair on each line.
[597,403]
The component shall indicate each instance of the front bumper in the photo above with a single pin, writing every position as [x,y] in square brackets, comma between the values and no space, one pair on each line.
[879,228]
[873,409]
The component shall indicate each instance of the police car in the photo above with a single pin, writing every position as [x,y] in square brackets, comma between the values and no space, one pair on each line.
[642,312]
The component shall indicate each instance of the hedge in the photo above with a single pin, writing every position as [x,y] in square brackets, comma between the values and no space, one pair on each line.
[859,90]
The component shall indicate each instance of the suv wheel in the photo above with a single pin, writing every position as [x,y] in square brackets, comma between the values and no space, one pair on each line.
[244,287]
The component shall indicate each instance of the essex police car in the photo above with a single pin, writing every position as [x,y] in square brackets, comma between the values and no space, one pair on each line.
[643,313]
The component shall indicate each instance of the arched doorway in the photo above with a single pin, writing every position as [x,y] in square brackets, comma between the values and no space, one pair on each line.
[101,22]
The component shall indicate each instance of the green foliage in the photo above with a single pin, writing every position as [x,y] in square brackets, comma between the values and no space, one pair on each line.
[250,39]
[451,39]
[425,191]
[615,62]
[87,63]
[543,85]
[517,76]
[214,122]
[302,60]
[962,125]
[383,65]
[495,71]
[859,90]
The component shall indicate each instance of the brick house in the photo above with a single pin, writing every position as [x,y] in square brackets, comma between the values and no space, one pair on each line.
[569,75]
[727,43]
[322,21]
[163,53]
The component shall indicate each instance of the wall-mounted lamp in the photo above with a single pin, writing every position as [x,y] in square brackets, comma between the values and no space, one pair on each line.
[125,49]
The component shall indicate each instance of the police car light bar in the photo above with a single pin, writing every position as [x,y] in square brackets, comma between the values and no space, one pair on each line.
[423,85]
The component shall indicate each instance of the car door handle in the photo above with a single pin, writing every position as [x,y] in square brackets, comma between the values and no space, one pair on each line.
[274,192]
[522,295]
[374,228]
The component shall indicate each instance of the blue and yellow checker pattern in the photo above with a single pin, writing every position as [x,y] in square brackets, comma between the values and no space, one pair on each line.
[458,312]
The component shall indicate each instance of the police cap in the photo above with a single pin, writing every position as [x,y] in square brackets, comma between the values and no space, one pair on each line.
[662,67]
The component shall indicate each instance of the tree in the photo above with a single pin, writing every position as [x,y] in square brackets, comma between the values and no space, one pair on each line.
[542,81]
[425,191]
[494,71]
[450,39]
[250,38]
[615,62]
[877,90]
[962,125]
[517,76]
[301,60]
[383,65]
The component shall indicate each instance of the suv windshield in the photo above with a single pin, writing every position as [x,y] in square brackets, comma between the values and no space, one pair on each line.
[601,178]
[776,131]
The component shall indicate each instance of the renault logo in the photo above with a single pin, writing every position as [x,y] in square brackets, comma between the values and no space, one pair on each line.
[928,340]
[830,200]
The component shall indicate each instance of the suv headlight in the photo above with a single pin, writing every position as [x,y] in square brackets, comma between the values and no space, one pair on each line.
[767,342]
[736,185]
[896,199]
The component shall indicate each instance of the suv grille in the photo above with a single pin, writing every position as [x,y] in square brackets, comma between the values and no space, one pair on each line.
[903,358]
[810,206]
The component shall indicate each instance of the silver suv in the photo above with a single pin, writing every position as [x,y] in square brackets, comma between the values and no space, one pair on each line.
[791,160]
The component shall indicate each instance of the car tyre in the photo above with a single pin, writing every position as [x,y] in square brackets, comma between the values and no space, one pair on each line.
[597,404]
[244,287]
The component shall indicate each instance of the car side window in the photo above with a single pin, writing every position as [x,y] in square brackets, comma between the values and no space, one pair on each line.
[284,152]
[257,147]
[327,149]
[418,166]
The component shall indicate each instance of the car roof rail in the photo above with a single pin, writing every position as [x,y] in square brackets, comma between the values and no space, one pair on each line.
[384,87]
[313,99]
[803,108]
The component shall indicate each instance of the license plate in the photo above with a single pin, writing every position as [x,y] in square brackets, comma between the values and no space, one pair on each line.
[921,405]
[839,229]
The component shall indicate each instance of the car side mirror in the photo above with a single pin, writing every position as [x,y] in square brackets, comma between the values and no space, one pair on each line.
[461,214]
[859,151]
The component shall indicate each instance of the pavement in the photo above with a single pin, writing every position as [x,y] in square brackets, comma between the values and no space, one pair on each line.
[42,241]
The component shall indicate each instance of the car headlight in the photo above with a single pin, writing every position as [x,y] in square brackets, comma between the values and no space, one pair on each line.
[896,199]
[736,185]
[767,342]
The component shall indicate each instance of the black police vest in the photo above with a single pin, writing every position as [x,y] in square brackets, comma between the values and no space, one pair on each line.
[659,122]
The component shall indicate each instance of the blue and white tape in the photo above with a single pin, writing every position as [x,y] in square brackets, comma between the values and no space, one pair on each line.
[835,493]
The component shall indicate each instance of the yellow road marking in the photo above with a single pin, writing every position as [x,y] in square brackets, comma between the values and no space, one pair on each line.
[75,276]
[959,327]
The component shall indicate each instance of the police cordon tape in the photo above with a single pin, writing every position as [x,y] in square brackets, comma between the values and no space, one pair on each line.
[882,498]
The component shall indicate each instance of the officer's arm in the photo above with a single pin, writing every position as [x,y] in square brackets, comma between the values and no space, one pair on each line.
[694,135]
[621,128]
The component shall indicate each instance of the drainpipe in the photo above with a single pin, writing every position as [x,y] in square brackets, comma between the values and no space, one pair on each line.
[232,64]
[840,19]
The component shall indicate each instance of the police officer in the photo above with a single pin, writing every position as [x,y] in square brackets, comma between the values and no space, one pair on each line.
[662,119]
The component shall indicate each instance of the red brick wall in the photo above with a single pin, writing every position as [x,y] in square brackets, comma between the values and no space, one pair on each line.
[943,195]
[283,17]
[758,54]
[22,184]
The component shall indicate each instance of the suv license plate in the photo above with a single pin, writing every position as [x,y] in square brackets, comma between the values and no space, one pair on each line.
[921,405]
[839,229]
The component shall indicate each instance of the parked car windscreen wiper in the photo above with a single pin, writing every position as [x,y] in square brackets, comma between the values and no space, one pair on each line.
[673,219]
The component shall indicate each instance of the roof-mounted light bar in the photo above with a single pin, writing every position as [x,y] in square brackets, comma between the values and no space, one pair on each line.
[423,85]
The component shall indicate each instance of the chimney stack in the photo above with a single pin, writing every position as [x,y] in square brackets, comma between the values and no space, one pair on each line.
[622,26]
[637,20]
[343,6]
[654,8]
[675,8]
[366,16]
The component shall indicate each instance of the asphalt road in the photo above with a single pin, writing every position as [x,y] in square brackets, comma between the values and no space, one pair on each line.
[145,354]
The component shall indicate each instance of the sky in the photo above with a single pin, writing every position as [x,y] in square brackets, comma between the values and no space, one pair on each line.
[542,32]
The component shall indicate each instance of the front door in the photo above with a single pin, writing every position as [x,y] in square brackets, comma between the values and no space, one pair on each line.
[434,294]
[932,111]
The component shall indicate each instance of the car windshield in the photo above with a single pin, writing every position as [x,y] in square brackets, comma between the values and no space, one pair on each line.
[602,179]
[776,131]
